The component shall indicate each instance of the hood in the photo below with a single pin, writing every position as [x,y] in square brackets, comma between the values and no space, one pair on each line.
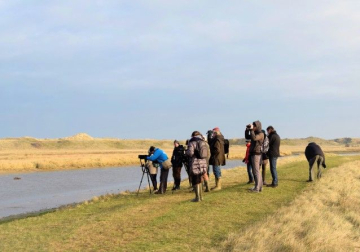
[220,137]
[258,125]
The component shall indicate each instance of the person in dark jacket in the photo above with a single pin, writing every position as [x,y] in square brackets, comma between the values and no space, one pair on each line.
[177,162]
[217,157]
[273,154]
[315,156]
[254,133]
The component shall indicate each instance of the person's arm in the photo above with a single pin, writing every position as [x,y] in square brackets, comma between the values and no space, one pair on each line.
[257,137]
[190,150]
[217,148]
[154,156]
[247,134]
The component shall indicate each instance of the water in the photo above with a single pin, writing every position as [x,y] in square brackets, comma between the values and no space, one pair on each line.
[46,190]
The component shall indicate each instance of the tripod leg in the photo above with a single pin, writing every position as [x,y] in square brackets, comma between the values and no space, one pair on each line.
[140,182]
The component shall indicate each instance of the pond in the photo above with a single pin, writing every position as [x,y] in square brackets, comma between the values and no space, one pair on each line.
[31,192]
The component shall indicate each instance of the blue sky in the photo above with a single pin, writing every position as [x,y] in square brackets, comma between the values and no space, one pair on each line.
[162,69]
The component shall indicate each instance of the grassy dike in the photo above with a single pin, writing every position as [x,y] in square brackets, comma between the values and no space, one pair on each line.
[170,222]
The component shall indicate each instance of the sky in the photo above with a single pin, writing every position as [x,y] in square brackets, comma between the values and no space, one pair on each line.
[162,69]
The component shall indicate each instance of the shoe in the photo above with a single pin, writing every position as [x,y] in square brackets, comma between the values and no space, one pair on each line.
[250,182]
[175,188]
[253,191]
[309,180]
[158,192]
[272,185]
[264,183]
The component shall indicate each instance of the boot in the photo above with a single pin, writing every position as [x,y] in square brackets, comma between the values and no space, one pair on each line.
[161,189]
[201,192]
[197,193]
[263,175]
[218,184]
[206,186]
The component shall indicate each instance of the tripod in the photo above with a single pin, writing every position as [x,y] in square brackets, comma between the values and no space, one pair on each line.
[145,170]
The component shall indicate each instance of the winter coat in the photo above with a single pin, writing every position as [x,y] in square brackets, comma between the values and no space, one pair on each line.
[274,144]
[178,156]
[312,150]
[256,137]
[217,157]
[247,154]
[159,156]
[197,165]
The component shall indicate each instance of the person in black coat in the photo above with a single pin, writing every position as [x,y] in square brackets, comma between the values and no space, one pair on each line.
[177,163]
[273,154]
[315,156]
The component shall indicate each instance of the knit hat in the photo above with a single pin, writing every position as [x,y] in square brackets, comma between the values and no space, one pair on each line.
[151,149]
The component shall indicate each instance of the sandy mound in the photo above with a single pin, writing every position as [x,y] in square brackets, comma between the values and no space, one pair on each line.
[79,137]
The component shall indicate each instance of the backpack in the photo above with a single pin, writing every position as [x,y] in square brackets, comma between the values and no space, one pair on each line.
[201,151]
[265,145]
[226,147]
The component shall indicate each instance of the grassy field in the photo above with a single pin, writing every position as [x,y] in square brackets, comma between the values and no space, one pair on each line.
[226,220]
[83,151]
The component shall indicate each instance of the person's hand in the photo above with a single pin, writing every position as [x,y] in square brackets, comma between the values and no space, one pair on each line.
[324,165]
[251,126]
[244,160]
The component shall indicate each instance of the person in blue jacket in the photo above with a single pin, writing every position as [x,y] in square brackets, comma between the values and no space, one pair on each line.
[159,156]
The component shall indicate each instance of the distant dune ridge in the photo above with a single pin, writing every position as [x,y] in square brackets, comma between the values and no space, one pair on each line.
[88,141]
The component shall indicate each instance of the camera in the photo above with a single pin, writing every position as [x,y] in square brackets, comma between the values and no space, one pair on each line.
[143,156]
[248,126]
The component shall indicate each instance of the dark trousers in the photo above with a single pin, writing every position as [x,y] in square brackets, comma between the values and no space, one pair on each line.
[250,171]
[154,181]
[177,175]
[163,180]
[273,162]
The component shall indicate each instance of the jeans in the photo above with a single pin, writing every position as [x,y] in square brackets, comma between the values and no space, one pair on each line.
[217,171]
[273,171]
[250,171]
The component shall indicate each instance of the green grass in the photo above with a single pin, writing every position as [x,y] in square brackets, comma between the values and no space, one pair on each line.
[158,222]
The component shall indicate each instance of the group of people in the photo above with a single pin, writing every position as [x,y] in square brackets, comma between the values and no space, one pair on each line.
[197,156]
[199,153]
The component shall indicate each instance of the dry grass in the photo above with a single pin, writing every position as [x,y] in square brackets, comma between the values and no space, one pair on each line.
[170,222]
[326,217]
[83,151]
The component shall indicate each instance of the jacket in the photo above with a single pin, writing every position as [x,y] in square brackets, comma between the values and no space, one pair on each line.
[217,150]
[198,166]
[246,158]
[274,144]
[312,150]
[256,137]
[159,156]
[178,156]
